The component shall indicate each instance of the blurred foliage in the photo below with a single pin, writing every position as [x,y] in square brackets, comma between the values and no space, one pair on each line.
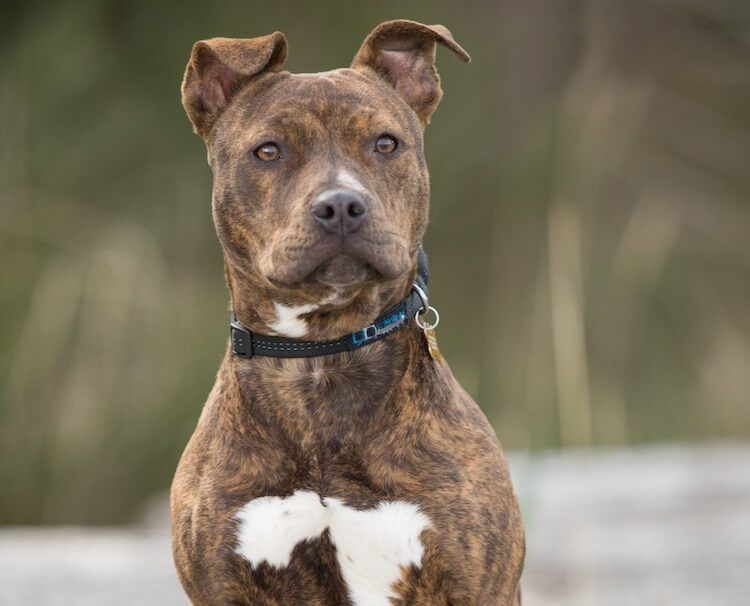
[590,237]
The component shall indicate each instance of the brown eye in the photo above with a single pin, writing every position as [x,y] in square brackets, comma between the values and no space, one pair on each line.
[386,144]
[268,152]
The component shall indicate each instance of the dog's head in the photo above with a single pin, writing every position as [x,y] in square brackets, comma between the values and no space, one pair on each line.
[321,191]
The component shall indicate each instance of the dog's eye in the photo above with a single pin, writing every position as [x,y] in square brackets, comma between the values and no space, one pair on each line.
[268,152]
[386,144]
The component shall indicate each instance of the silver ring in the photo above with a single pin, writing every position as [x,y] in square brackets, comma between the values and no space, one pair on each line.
[425,325]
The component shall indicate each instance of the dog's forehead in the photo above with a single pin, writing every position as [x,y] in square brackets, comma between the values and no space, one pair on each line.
[330,92]
[337,82]
[329,96]
[341,75]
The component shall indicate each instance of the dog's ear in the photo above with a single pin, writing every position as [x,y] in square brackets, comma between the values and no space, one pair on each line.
[403,53]
[220,67]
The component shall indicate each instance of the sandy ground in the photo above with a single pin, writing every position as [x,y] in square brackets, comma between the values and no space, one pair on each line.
[656,526]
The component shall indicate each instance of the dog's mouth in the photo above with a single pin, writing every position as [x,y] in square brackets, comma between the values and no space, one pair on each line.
[339,263]
[343,270]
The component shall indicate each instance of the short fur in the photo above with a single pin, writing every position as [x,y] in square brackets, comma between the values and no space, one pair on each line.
[383,423]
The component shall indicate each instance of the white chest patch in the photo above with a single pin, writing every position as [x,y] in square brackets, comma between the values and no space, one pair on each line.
[372,546]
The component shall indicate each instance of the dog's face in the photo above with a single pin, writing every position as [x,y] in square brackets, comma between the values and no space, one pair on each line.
[320,179]
[320,182]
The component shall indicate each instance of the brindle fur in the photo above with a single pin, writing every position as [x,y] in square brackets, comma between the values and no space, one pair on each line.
[385,422]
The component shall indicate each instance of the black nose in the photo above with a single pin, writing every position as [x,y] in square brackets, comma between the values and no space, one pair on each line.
[339,211]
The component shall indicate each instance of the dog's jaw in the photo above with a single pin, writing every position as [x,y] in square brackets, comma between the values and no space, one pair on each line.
[317,309]
[313,311]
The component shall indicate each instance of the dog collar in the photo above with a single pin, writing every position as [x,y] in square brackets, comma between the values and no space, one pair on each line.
[247,343]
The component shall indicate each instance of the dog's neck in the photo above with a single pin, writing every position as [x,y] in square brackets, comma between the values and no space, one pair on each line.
[325,399]
[324,402]
[325,315]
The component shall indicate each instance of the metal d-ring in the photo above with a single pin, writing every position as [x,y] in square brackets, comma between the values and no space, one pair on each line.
[425,325]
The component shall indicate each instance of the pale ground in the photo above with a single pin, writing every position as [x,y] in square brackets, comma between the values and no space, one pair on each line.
[656,526]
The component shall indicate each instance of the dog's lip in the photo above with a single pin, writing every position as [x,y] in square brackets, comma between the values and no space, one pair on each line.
[355,271]
[313,277]
[362,249]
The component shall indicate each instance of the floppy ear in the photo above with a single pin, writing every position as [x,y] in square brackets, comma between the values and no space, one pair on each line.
[220,67]
[403,53]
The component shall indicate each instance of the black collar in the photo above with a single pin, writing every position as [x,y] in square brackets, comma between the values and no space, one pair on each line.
[248,344]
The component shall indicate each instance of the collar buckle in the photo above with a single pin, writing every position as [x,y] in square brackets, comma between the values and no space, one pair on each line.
[242,343]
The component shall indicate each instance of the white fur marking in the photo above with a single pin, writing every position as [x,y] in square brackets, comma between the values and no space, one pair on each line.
[346,179]
[270,527]
[372,546]
[288,322]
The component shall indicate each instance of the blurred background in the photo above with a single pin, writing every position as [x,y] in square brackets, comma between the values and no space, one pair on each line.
[589,244]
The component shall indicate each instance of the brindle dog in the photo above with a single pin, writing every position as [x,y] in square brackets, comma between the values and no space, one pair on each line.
[367,477]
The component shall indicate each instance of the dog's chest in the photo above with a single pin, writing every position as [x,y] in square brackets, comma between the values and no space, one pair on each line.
[374,547]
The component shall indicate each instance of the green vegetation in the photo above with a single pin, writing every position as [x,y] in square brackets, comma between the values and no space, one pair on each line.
[590,237]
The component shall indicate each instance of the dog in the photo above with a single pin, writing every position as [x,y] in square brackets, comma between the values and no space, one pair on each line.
[336,461]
